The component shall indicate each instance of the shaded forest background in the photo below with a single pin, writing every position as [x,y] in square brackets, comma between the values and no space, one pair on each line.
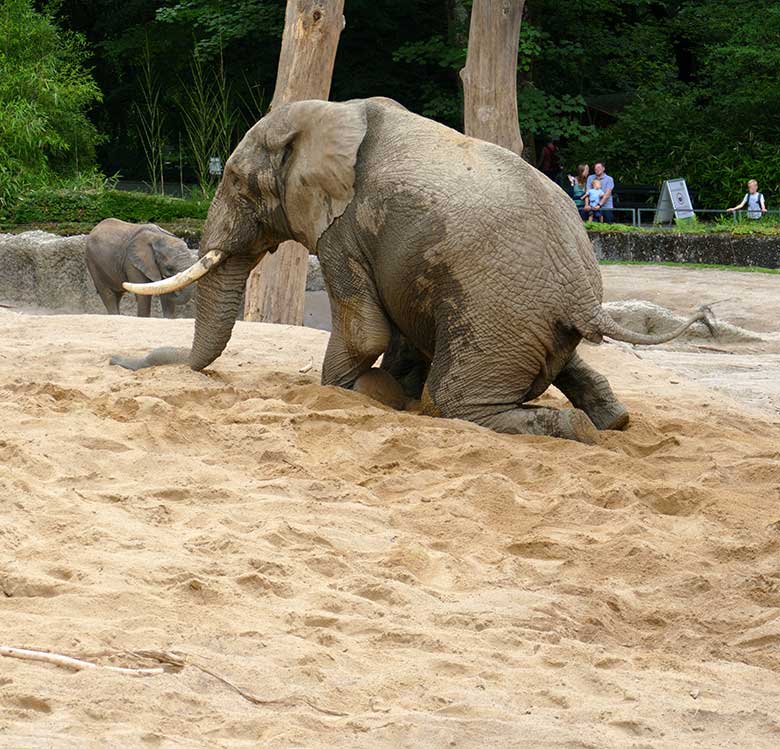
[657,89]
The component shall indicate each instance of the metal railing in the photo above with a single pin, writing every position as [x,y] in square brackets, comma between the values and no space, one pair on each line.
[635,215]
[736,215]
[632,212]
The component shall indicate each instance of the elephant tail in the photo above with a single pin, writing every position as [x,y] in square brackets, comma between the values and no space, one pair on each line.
[155,358]
[602,324]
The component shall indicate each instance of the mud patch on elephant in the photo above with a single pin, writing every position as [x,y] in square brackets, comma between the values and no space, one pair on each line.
[370,215]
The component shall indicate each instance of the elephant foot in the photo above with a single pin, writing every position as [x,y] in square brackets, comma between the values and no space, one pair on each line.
[590,392]
[382,387]
[615,417]
[575,425]
[566,423]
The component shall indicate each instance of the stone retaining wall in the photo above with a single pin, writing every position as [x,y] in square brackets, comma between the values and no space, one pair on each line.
[38,269]
[720,249]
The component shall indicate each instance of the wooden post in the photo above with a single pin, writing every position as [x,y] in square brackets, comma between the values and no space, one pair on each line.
[276,288]
[490,75]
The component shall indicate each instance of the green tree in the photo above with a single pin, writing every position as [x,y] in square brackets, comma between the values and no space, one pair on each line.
[711,114]
[659,88]
[45,91]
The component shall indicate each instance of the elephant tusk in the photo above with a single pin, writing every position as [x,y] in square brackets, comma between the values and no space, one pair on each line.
[180,280]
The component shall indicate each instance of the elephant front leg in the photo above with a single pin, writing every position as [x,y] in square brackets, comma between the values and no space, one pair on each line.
[406,364]
[590,392]
[168,306]
[144,305]
[361,333]
[110,299]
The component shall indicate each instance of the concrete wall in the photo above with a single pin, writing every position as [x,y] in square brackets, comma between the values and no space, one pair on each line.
[721,249]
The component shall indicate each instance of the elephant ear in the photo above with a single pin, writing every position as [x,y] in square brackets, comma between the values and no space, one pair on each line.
[140,254]
[318,164]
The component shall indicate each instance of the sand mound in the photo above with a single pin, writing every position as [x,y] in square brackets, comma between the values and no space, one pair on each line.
[384,579]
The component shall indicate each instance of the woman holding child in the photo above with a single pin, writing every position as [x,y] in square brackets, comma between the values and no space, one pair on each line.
[579,188]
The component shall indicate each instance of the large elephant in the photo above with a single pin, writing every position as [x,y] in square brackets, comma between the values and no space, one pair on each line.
[474,264]
[118,251]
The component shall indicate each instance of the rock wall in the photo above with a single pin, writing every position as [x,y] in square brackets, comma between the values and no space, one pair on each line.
[43,270]
[720,249]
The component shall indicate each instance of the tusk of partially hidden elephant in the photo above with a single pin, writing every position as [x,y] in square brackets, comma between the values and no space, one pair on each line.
[180,280]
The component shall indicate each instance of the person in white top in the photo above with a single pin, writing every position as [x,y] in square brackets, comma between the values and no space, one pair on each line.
[754,200]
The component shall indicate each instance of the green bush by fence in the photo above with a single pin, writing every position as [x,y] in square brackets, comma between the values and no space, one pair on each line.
[91,206]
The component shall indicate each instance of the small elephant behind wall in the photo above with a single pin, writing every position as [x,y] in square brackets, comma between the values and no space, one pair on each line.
[118,251]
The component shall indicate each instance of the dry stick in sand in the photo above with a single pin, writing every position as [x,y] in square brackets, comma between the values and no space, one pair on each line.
[172,663]
[75,664]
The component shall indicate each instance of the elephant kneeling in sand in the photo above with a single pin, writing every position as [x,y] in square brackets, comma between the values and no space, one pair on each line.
[467,267]
[118,252]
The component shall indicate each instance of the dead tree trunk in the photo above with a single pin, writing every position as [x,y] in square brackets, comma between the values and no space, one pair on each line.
[276,289]
[490,75]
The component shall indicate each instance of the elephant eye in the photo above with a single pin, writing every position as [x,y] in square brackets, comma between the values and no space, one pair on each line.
[286,153]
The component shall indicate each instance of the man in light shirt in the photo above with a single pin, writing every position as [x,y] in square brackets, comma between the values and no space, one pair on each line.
[608,186]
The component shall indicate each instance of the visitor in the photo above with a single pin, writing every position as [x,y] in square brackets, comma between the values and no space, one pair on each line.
[550,161]
[608,186]
[593,200]
[579,186]
[754,200]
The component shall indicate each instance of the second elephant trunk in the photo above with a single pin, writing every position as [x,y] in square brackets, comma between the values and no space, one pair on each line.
[219,300]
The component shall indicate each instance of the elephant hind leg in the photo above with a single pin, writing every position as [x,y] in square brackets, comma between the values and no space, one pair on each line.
[590,392]
[567,423]
[406,364]
[461,392]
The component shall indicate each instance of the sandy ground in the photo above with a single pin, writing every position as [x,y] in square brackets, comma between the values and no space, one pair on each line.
[748,372]
[378,578]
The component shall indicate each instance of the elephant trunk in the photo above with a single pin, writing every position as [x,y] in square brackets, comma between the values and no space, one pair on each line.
[219,300]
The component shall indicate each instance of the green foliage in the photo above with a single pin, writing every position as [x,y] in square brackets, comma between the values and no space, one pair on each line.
[657,88]
[708,105]
[45,90]
[198,120]
[48,205]
[554,116]
[540,112]
[749,227]
[217,23]
[151,119]
[597,226]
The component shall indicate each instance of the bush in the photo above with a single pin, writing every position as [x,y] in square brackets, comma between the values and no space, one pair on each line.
[91,206]
[45,91]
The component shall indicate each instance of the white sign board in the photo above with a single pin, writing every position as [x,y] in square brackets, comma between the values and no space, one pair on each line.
[674,202]
[215,166]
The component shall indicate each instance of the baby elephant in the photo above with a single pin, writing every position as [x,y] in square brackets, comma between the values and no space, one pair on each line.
[118,251]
